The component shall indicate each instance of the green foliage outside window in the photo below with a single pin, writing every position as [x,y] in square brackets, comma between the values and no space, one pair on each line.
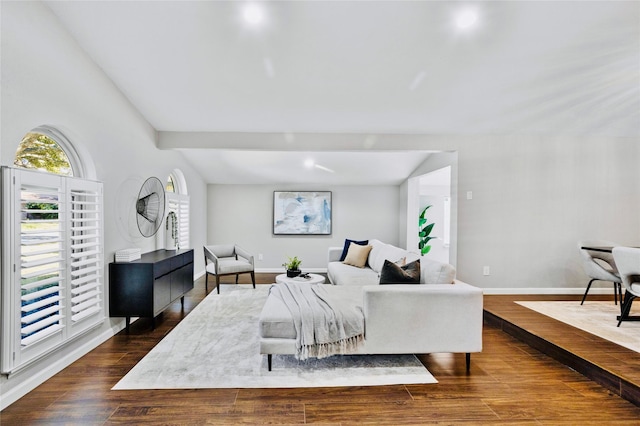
[40,152]
[45,208]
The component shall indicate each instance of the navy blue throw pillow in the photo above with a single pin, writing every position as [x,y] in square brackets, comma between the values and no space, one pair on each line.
[347,243]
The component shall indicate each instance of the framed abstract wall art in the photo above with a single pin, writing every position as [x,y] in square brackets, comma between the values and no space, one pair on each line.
[302,212]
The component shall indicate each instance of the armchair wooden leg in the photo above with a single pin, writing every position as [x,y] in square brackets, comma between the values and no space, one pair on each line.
[269,358]
[206,283]
[218,283]
[253,279]
[237,278]
[468,361]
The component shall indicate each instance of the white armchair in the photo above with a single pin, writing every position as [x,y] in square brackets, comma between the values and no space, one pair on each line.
[602,269]
[228,259]
[628,261]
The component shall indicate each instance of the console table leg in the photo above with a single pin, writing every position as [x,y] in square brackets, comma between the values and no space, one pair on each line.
[269,361]
[127,322]
[468,360]
[182,302]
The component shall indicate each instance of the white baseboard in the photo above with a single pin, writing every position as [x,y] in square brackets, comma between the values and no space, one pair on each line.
[545,290]
[35,379]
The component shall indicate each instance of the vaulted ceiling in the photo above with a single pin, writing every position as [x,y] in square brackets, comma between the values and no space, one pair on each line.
[359,67]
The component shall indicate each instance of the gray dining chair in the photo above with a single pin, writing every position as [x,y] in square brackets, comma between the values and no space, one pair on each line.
[628,262]
[600,266]
[227,259]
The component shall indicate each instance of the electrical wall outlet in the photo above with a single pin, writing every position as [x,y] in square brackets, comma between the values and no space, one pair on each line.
[486,271]
[260,257]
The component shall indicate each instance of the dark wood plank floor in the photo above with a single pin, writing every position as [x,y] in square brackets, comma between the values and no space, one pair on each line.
[509,383]
[609,364]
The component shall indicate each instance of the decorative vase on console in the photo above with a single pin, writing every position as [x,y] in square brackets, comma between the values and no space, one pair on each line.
[171,235]
[293,266]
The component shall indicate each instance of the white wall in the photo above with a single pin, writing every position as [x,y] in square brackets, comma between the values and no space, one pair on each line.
[243,214]
[432,190]
[435,214]
[48,79]
[435,162]
[534,197]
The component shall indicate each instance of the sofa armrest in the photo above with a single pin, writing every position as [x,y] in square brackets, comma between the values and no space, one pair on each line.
[334,253]
[409,318]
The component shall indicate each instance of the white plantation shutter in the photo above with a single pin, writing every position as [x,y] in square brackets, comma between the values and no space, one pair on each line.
[85,251]
[52,248]
[179,204]
[41,265]
[183,221]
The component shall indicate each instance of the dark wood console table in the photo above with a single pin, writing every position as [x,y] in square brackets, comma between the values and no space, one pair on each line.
[147,286]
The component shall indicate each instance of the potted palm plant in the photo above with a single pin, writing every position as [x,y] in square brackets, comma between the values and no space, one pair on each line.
[292,266]
[424,229]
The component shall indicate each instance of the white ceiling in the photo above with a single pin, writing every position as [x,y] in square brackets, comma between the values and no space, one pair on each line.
[560,68]
[330,168]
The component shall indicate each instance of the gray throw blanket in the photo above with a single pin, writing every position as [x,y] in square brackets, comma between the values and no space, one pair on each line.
[325,324]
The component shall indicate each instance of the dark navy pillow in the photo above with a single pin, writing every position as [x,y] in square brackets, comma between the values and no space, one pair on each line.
[347,243]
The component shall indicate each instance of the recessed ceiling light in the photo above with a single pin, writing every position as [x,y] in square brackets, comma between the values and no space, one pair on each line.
[466,19]
[253,14]
[309,163]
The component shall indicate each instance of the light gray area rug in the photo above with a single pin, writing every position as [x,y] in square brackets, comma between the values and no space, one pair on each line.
[216,346]
[597,318]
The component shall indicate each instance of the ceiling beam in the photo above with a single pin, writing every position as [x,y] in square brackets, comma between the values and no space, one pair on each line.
[273,141]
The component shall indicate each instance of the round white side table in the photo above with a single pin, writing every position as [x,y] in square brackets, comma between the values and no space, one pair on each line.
[313,279]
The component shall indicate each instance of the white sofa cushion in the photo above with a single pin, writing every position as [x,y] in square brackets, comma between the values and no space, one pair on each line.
[340,273]
[276,320]
[434,272]
[381,252]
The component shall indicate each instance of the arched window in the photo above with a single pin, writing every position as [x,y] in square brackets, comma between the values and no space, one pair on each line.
[55,291]
[40,152]
[170,186]
[47,149]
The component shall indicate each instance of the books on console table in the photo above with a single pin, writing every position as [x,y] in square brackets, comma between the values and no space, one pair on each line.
[127,255]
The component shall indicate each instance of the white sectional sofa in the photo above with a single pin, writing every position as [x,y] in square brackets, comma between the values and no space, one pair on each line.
[439,315]
[339,273]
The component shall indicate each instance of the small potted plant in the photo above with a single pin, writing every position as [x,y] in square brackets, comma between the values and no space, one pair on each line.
[293,266]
